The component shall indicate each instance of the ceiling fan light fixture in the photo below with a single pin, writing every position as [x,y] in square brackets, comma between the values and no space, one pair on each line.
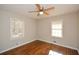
[40,12]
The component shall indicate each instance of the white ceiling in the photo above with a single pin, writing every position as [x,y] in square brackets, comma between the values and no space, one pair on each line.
[24,8]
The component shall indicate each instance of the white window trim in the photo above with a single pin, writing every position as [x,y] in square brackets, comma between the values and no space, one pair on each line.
[61,29]
[19,35]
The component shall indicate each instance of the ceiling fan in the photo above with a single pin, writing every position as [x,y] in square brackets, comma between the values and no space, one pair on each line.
[41,10]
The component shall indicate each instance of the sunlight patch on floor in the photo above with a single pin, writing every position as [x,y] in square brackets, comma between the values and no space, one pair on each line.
[54,53]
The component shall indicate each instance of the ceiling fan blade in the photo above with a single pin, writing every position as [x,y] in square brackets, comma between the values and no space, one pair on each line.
[46,13]
[49,8]
[38,6]
[42,8]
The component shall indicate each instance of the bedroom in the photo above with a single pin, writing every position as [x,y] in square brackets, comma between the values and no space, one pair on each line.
[19,27]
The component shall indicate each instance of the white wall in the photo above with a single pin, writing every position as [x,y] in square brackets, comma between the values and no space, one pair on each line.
[78,31]
[70,30]
[43,29]
[39,29]
[5,41]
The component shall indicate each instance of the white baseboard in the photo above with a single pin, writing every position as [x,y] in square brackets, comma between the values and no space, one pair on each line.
[16,46]
[78,51]
[60,45]
[40,40]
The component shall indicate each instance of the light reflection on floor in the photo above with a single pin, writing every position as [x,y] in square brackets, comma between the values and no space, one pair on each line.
[54,53]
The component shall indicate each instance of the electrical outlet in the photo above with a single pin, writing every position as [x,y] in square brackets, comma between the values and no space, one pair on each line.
[16,43]
[54,41]
[0,49]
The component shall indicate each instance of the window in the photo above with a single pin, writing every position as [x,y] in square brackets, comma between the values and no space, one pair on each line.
[57,29]
[17,28]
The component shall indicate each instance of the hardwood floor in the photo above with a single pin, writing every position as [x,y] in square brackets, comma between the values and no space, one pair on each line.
[39,48]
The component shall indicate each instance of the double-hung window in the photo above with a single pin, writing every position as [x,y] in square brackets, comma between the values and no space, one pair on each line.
[17,28]
[57,29]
